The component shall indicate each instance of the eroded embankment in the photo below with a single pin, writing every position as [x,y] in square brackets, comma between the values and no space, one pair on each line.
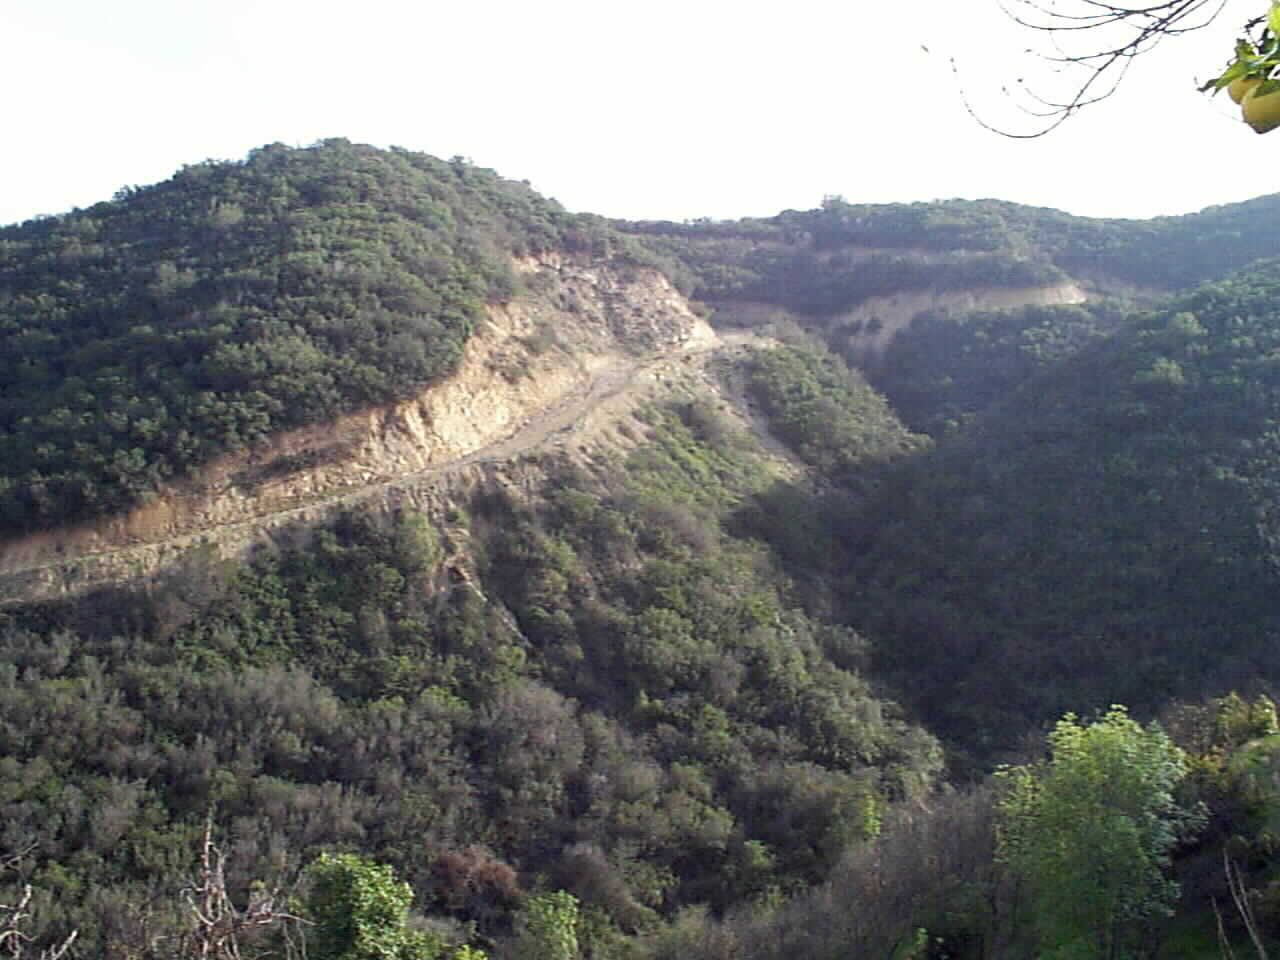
[535,371]
[866,330]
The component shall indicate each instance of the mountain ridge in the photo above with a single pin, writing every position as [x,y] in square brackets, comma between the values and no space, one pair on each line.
[507,564]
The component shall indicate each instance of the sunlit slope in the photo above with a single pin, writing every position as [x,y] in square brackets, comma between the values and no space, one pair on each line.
[148,334]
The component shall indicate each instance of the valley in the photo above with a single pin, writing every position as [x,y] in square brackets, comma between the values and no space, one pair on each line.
[484,414]
[732,590]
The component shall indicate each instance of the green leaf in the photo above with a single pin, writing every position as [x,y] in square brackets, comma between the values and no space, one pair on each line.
[1232,73]
[1249,60]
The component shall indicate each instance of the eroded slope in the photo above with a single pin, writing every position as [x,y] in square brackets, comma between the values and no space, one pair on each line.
[537,367]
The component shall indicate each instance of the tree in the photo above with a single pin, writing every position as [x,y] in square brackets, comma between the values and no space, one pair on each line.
[1113,36]
[217,925]
[15,916]
[360,911]
[549,928]
[1087,834]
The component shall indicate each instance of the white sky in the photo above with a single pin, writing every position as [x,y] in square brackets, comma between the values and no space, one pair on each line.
[666,109]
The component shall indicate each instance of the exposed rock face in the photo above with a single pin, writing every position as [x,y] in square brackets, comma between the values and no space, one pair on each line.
[868,328]
[562,358]
[532,369]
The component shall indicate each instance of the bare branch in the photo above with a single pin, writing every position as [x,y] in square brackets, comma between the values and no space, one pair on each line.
[13,917]
[1224,944]
[1240,897]
[218,929]
[220,925]
[1144,28]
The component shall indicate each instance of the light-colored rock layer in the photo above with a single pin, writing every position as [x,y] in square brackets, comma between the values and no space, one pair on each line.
[868,328]
[533,368]
[875,322]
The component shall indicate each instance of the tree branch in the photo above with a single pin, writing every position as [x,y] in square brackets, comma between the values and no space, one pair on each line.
[1108,63]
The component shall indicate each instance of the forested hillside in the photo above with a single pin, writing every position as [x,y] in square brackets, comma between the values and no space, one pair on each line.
[621,701]
[821,261]
[729,675]
[147,334]
[949,367]
[1106,532]
[943,364]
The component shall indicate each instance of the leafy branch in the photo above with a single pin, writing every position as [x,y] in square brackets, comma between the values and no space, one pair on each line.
[1254,60]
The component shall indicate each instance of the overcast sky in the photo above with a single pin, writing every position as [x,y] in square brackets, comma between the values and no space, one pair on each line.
[667,109]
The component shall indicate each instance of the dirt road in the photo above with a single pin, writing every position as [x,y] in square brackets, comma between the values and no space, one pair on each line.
[609,390]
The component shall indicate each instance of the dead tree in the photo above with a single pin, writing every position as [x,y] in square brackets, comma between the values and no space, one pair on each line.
[220,928]
[14,918]
[1244,907]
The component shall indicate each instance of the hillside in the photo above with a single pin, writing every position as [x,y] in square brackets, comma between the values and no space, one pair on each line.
[824,261]
[947,367]
[532,370]
[146,336]
[570,665]
[1104,534]
[196,318]
[511,612]
[357,501]
[952,304]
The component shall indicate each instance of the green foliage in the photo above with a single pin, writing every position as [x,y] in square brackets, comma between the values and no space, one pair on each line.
[348,607]
[931,868]
[630,686]
[148,334]
[549,928]
[946,369]
[359,911]
[949,367]
[1108,533]
[826,412]
[1238,721]
[821,262]
[609,691]
[1090,835]
[1254,60]
[640,606]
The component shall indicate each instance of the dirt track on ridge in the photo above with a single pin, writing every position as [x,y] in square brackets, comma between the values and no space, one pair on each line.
[567,419]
